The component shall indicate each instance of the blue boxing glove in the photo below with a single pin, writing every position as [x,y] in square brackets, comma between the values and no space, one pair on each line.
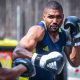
[73,24]
[53,62]
[27,63]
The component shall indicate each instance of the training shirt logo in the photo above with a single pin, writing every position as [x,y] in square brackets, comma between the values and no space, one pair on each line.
[46,48]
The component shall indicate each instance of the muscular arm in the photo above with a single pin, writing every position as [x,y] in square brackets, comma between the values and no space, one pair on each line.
[72,23]
[72,52]
[23,50]
[28,42]
[11,74]
[73,55]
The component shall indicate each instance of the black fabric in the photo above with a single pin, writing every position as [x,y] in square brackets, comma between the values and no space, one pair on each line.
[37,60]
[72,22]
[0,65]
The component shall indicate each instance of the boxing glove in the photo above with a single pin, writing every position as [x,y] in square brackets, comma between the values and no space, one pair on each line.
[53,62]
[27,63]
[73,24]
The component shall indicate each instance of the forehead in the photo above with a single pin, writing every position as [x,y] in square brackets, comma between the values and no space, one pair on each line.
[52,12]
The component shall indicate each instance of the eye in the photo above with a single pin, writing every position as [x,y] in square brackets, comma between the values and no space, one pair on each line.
[51,16]
[59,17]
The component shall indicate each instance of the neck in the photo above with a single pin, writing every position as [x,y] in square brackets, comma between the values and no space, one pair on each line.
[54,34]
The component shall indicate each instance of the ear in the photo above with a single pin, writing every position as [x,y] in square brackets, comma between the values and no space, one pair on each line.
[43,16]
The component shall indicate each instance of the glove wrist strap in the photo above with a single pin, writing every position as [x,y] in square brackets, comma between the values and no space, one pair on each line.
[76,41]
[33,58]
[36,59]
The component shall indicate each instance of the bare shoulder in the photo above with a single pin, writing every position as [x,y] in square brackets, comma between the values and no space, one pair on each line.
[34,35]
[36,28]
[36,31]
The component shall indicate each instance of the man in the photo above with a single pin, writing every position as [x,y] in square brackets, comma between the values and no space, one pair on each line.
[46,37]
[49,40]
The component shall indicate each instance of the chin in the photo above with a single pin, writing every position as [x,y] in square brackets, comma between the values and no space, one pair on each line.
[55,30]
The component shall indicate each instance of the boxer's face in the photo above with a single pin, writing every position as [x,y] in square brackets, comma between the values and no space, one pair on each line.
[53,19]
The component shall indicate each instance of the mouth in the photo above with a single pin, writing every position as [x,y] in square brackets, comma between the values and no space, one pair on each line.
[53,27]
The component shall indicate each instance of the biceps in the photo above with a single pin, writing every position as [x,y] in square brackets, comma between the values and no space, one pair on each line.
[30,44]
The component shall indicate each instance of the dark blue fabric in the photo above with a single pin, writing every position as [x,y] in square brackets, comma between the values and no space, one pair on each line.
[47,42]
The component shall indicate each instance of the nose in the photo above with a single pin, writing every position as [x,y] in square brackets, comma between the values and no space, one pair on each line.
[54,20]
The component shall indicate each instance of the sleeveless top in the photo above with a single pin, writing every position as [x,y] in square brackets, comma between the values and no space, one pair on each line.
[46,46]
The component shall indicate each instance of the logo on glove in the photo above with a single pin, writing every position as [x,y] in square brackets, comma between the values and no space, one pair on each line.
[52,65]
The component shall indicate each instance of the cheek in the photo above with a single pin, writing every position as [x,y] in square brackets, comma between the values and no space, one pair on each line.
[48,22]
[60,22]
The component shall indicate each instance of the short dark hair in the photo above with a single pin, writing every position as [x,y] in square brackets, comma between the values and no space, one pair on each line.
[53,5]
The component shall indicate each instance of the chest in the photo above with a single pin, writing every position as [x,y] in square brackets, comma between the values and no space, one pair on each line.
[49,44]
[54,38]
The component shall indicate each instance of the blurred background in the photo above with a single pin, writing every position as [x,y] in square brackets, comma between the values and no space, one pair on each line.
[16,16]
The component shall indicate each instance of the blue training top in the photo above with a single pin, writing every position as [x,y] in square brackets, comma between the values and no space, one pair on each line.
[46,46]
